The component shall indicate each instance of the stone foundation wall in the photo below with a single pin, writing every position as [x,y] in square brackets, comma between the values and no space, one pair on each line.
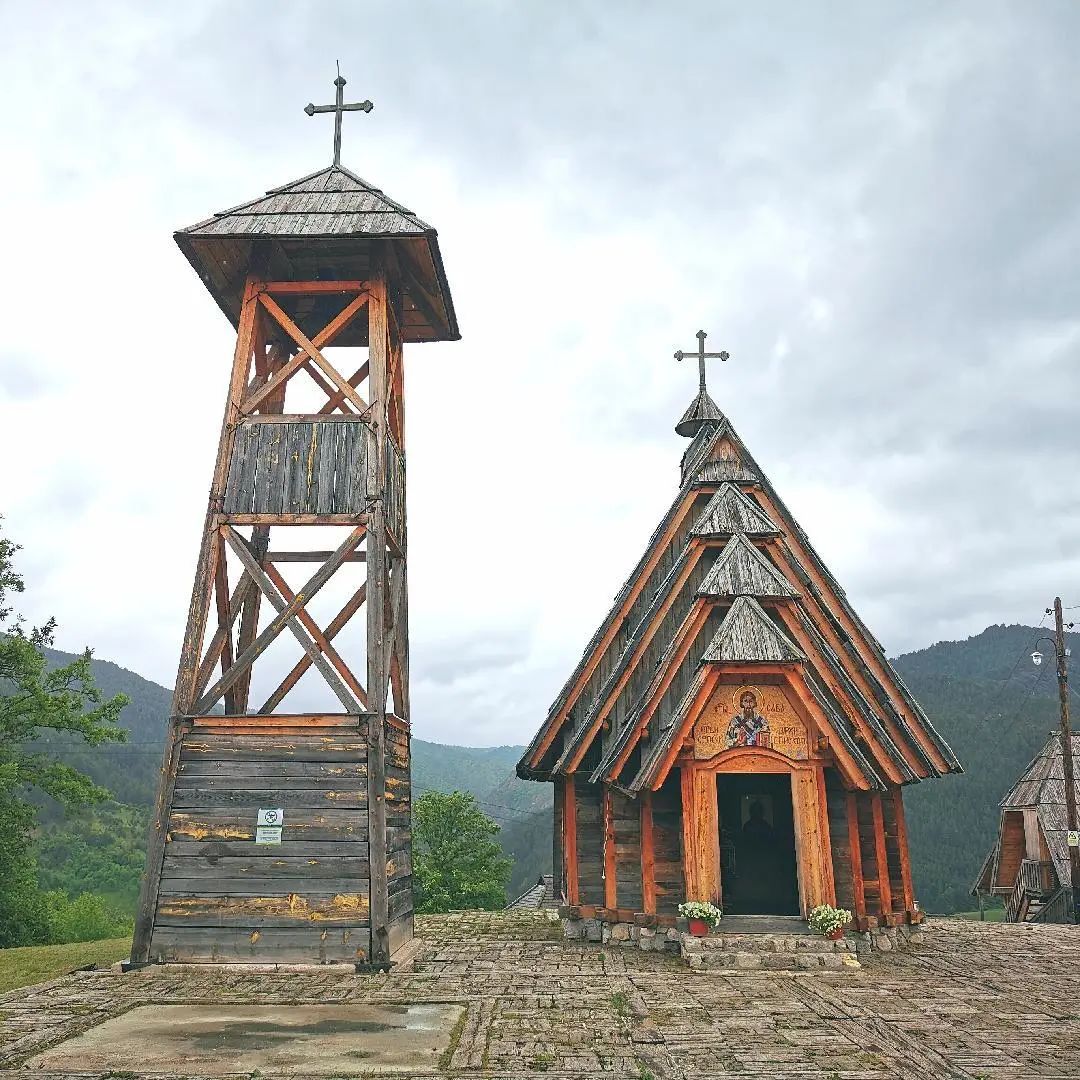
[744,950]
[647,938]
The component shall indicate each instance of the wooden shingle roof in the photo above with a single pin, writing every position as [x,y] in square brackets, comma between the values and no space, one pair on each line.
[329,225]
[330,202]
[742,570]
[664,632]
[1041,786]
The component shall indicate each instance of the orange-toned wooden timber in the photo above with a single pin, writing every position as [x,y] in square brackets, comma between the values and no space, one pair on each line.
[610,875]
[905,856]
[602,645]
[648,855]
[570,841]
[857,886]
[881,855]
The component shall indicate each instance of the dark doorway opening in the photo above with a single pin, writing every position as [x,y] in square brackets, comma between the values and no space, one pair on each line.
[758,869]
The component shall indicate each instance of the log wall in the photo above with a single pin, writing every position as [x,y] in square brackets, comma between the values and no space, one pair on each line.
[223,897]
[590,842]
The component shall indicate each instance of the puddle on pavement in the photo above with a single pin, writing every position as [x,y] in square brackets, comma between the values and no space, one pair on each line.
[213,1040]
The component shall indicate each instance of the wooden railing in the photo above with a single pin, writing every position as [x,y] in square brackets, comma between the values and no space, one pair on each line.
[1034,881]
[1057,909]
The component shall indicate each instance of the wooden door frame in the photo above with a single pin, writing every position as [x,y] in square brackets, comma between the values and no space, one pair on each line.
[701,821]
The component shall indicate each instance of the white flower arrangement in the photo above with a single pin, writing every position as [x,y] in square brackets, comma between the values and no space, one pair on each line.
[697,909]
[826,920]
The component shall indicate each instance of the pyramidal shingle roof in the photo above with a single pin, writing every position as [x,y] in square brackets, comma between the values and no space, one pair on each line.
[687,610]
[742,570]
[700,411]
[330,202]
[731,511]
[747,635]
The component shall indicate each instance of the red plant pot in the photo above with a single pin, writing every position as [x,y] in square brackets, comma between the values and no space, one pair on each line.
[835,935]
[699,928]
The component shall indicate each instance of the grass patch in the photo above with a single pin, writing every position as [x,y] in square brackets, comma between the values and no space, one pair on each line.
[23,967]
[991,914]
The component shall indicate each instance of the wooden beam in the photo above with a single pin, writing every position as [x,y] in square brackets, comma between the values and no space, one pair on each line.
[319,638]
[597,653]
[648,855]
[198,611]
[610,869]
[311,556]
[570,859]
[902,846]
[294,519]
[855,844]
[305,288]
[826,835]
[313,352]
[284,617]
[221,593]
[338,396]
[217,642]
[356,601]
[323,338]
[377,675]
[690,870]
[881,855]
[293,619]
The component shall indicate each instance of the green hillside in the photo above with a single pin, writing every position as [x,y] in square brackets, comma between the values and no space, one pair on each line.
[983,694]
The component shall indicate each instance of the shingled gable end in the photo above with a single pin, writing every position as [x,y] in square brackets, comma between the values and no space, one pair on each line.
[733,731]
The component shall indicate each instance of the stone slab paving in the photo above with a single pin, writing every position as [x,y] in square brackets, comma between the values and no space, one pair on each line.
[975,1000]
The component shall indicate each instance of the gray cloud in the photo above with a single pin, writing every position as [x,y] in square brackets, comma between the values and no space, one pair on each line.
[871,206]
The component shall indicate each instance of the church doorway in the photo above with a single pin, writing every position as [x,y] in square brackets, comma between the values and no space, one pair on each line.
[758,868]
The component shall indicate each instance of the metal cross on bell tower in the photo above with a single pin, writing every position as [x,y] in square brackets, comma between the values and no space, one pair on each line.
[702,409]
[337,109]
[702,356]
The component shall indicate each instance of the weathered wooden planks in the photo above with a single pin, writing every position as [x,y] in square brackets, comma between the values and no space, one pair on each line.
[292,909]
[238,823]
[305,466]
[261,945]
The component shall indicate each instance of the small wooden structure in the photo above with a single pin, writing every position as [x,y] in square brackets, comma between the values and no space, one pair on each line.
[1029,862]
[280,836]
[733,732]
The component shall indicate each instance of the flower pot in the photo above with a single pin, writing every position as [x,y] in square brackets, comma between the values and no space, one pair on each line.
[835,935]
[699,928]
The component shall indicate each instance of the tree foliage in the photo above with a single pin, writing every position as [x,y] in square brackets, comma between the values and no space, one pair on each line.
[457,864]
[35,700]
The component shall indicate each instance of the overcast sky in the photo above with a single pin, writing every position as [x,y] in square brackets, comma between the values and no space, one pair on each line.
[873,207]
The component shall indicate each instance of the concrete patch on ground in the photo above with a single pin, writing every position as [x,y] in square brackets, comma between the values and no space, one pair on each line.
[214,1040]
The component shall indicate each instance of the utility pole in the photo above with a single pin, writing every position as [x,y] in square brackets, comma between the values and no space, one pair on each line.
[1067,759]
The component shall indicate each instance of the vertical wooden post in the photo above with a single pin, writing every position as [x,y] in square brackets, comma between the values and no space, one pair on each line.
[829,876]
[905,856]
[198,611]
[377,675]
[648,855]
[570,832]
[857,886]
[689,830]
[610,869]
[706,835]
[881,855]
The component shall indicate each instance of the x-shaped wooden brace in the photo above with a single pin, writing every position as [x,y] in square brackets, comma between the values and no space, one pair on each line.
[288,615]
[308,355]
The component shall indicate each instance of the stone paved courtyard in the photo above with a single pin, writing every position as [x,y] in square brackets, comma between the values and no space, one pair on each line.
[975,1000]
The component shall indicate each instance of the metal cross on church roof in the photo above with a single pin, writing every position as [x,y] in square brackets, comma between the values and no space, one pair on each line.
[337,109]
[702,356]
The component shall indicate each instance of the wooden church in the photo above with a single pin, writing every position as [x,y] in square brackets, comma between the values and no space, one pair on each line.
[733,732]
[281,834]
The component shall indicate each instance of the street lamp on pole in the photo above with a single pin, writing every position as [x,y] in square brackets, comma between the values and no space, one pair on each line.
[1062,652]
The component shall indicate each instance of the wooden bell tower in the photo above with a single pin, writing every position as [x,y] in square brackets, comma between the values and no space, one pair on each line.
[278,835]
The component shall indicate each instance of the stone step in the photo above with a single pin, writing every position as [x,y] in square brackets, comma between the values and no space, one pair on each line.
[776,943]
[729,960]
[767,952]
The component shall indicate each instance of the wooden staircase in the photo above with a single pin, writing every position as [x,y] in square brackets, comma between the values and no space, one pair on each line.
[1036,885]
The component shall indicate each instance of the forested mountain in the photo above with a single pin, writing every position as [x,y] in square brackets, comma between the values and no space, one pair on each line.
[984,695]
